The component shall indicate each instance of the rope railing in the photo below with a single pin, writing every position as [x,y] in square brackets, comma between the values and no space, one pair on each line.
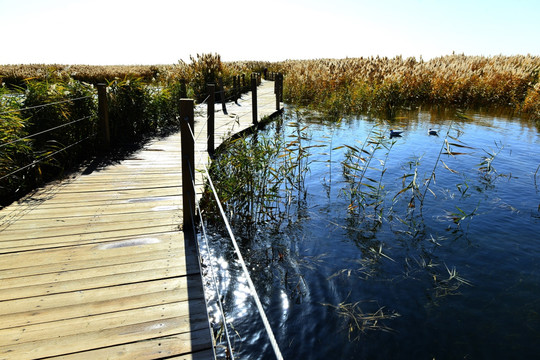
[189,164]
[212,275]
[45,105]
[216,287]
[205,100]
[46,131]
[37,161]
[251,285]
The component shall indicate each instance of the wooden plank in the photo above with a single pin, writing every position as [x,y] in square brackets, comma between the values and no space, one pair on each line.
[96,323]
[79,304]
[180,347]
[54,210]
[113,336]
[95,219]
[118,247]
[95,263]
[49,242]
[124,222]
[96,187]
[121,194]
[84,279]
[91,256]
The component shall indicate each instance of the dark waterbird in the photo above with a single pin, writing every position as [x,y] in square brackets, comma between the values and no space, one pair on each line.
[394,134]
[433,132]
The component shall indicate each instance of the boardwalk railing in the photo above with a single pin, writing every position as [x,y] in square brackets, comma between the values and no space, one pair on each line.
[75,132]
[187,133]
[191,210]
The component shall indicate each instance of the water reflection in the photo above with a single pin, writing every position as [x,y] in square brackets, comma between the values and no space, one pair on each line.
[458,260]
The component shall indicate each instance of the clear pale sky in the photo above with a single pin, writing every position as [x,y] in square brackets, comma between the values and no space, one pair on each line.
[106,32]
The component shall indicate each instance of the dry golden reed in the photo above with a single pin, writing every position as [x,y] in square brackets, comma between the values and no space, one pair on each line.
[17,74]
[352,85]
[388,84]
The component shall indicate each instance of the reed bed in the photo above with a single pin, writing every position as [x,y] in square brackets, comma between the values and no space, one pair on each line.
[17,75]
[38,142]
[384,85]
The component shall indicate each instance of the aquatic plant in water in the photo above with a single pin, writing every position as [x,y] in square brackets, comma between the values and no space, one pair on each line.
[358,321]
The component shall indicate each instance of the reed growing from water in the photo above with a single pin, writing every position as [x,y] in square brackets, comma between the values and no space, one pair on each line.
[259,179]
[384,86]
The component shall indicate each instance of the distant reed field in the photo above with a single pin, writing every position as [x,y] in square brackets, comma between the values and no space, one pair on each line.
[383,85]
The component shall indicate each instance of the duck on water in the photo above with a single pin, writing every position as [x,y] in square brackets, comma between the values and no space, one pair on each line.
[394,133]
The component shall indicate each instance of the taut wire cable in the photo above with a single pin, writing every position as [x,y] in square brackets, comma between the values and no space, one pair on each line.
[46,131]
[46,157]
[44,105]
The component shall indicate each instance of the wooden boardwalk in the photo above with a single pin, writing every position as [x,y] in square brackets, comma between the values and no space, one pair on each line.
[95,267]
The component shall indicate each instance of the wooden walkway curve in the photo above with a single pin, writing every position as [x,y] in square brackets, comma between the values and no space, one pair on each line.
[95,267]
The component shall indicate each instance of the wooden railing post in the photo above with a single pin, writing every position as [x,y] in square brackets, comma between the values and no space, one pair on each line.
[277,91]
[234,89]
[281,87]
[239,88]
[188,164]
[103,113]
[222,97]
[254,99]
[211,118]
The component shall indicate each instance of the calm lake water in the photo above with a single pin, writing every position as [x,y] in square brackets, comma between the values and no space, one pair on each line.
[456,276]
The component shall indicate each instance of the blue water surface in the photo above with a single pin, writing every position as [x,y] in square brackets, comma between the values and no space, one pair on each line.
[454,274]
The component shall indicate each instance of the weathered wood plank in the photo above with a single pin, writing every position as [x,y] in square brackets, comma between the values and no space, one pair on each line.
[96,219]
[52,243]
[115,248]
[170,347]
[81,208]
[75,280]
[78,304]
[113,336]
[94,226]
[94,263]
[94,323]
[121,251]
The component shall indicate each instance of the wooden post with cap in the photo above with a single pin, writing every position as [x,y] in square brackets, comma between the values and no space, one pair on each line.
[254,99]
[188,166]
[211,88]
